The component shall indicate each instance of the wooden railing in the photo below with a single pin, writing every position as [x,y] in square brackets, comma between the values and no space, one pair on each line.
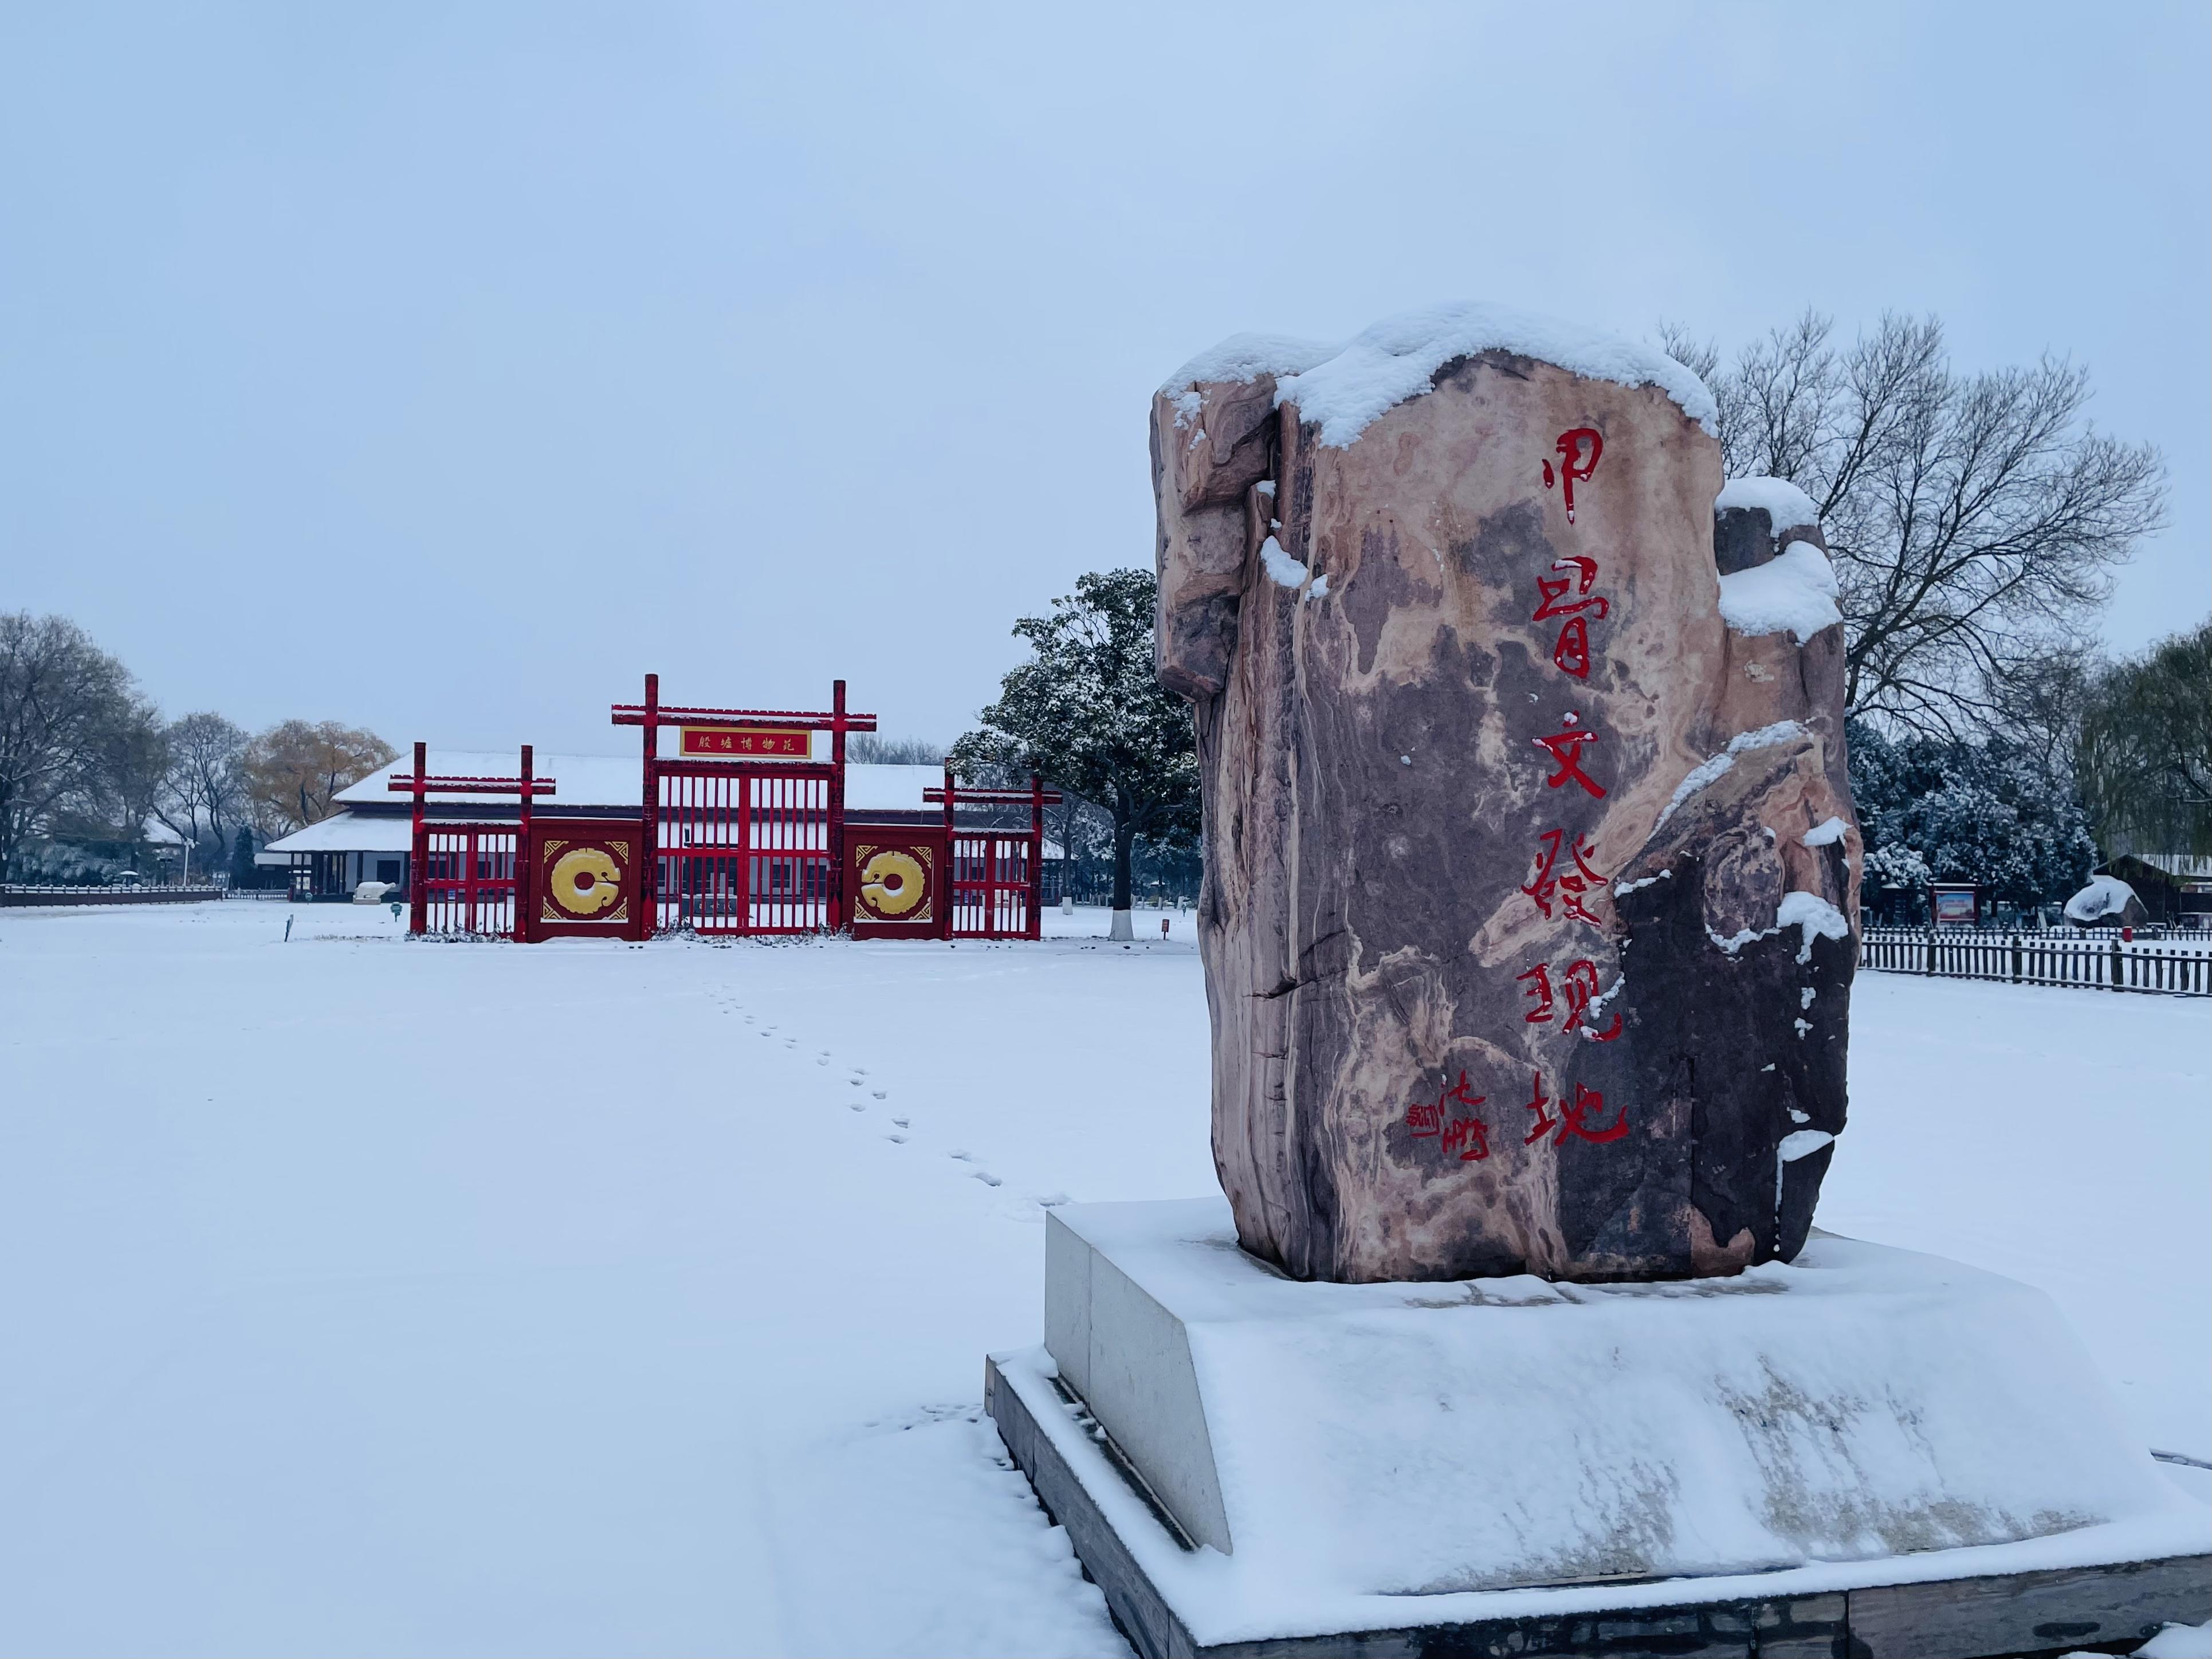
[2108,964]
[14,895]
[2150,932]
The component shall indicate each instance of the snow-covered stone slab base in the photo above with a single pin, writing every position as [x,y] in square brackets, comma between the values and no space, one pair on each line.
[1727,1462]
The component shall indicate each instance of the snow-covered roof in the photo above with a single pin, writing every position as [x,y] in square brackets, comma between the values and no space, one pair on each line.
[1787,506]
[348,832]
[1344,387]
[2181,866]
[609,780]
[580,780]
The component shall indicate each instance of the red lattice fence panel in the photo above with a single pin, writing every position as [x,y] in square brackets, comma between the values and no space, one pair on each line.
[993,886]
[994,874]
[468,878]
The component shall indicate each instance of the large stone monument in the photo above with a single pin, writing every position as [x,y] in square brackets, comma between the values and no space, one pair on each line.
[1527,928]
[1526,919]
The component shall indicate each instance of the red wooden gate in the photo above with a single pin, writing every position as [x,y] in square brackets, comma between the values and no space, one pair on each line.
[743,849]
[469,878]
[993,874]
[744,832]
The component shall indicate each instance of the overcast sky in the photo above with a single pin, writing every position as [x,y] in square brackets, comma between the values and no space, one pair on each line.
[443,368]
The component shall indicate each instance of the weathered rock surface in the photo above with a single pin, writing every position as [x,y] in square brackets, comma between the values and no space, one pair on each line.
[1513,964]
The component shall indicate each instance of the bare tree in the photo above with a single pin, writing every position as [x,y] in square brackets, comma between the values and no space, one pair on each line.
[203,795]
[62,704]
[133,762]
[868,749]
[294,770]
[1973,520]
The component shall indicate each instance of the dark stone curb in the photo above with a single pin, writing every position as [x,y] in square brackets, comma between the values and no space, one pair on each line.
[2017,1614]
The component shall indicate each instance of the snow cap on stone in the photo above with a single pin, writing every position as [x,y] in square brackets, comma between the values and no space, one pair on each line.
[1816,915]
[1796,589]
[1243,357]
[2106,895]
[1342,388]
[1707,772]
[1787,507]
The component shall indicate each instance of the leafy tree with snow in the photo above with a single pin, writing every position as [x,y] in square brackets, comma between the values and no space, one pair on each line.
[1990,812]
[1086,712]
[1973,519]
[2145,755]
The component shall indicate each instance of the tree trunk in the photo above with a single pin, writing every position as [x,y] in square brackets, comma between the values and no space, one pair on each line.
[1125,836]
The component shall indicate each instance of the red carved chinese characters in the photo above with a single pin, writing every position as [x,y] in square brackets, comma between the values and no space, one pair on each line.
[1572,466]
[1581,987]
[1583,1116]
[1545,1121]
[1547,884]
[1451,1121]
[1556,591]
[1466,1139]
[1564,879]
[1566,748]
[1588,1110]
[1540,993]
[1571,653]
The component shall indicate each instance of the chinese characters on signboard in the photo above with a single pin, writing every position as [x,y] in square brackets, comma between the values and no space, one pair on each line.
[745,742]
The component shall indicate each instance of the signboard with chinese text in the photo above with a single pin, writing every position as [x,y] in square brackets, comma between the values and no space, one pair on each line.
[1954,906]
[745,742]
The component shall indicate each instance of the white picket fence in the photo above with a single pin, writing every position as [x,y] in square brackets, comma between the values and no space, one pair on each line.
[14,894]
[2162,968]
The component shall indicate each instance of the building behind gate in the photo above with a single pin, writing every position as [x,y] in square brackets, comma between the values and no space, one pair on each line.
[730,821]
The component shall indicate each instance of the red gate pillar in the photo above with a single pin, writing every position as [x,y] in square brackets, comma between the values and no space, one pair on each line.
[836,826]
[1036,929]
[469,883]
[648,874]
[952,872]
[522,857]
[418,875]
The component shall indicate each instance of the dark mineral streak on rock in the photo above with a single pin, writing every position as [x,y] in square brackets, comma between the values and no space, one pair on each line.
[1375,799]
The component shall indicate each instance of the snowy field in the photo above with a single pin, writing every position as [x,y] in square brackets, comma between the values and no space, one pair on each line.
[367,1296]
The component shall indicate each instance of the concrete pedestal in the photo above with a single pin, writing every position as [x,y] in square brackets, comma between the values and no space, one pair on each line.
[1867,1451]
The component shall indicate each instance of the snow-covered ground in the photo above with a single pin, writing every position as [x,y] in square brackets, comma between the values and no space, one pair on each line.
[366,1296]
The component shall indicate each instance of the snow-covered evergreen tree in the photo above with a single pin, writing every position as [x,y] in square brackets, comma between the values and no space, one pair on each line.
[1988,812]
